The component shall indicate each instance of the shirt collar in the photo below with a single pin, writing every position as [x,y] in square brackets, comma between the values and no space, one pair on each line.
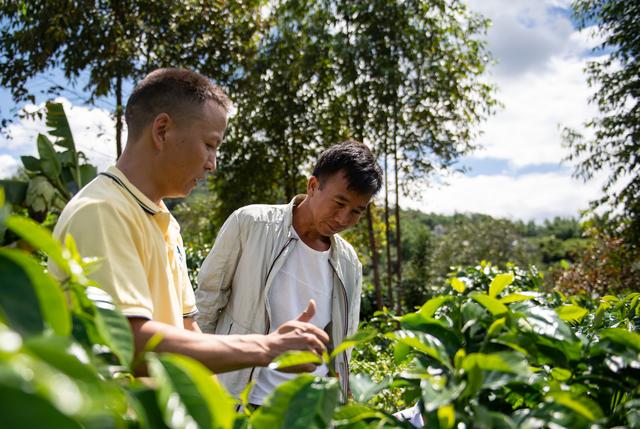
[145,203]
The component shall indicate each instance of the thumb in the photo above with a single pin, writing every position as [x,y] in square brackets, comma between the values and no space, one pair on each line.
[308,313]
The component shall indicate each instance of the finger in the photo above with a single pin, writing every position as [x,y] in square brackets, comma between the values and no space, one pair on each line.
[318,333]
[308,313]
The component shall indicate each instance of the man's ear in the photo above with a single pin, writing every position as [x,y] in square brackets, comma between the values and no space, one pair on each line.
[312,185]
[159,129]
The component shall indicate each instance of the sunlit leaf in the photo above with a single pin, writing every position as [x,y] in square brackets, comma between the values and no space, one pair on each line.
[305,402]
[189,393]
[494,306]
[360,337]
[458,285]
[581,405]
[571,313]
[622,336]
[294,358]
[500,282]
[40,238]
[515,297]
[446,416]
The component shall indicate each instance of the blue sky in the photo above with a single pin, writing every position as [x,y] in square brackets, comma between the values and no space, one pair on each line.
[518,172]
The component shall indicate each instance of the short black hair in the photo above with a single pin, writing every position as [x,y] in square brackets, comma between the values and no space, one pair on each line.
[361,169]
[173,91]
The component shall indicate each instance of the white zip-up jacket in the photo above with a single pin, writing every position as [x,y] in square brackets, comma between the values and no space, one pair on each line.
[235,279]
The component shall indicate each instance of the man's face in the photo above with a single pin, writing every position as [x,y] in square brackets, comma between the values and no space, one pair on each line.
[335,207]
[192,148]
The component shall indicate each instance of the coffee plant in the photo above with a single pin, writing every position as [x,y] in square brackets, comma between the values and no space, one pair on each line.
[493,350]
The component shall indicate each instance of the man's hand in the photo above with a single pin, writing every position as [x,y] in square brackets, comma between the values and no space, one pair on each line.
[298,334]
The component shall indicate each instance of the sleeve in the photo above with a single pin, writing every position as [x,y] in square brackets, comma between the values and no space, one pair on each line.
[189,308]
[216,274]
[355,306]
[100,230]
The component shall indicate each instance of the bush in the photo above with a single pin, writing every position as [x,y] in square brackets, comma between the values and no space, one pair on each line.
[493,350]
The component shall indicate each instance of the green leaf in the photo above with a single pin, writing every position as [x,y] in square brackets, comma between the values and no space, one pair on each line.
[59,125]
[40,238]
[446,416]
[30,298]
[20,409]
[458,285]
[293,358]
[112,326]
[561,374]
[364,388]
[501,361]
[31,163]
[493,305]
[360,337]
[88,172]
[15,191]
[423,343]
[434,396]
[500,282]
[145,404]
[189,393]
[431,306]
[496,326]
[621,336]
[352,413]
[581,405]
[19,303]
[49,161]
[515,297]
[305,402]
[571,313]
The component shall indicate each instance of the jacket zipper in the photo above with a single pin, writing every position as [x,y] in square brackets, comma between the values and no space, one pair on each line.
[345,378]
[266,313]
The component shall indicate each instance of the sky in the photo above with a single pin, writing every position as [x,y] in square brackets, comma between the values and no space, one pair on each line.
[518,173]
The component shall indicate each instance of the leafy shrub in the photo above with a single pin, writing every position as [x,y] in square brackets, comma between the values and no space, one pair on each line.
[494,350]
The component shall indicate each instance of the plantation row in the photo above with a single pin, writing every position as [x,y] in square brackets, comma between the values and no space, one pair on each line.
[491,351]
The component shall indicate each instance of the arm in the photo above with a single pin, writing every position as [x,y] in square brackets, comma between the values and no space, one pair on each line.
[216,274]
[221,353]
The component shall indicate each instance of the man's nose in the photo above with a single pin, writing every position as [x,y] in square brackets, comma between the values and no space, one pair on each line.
[343,217]
[211,164]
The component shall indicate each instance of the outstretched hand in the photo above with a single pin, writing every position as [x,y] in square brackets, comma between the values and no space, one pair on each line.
[298,334]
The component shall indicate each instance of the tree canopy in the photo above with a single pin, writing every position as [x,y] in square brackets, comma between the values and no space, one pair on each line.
[615,146]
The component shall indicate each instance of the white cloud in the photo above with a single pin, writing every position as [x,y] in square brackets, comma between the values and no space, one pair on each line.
[536,105]
[8,166]
[529,197]
[93,132]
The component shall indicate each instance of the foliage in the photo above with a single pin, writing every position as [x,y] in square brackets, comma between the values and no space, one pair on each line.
[115,41]
[492,351]
[58,173]
[615,146]
[609,265]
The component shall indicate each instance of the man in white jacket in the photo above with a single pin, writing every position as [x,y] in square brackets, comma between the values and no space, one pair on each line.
[269,261]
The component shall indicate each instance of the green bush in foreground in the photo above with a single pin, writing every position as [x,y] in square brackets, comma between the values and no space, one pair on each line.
[491,351]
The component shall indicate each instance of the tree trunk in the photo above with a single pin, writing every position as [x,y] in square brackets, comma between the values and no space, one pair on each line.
[387,227]
[374,259]
[118,116]
[397,214]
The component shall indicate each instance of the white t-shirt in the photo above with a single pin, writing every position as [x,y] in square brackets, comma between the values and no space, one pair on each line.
[306,274]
